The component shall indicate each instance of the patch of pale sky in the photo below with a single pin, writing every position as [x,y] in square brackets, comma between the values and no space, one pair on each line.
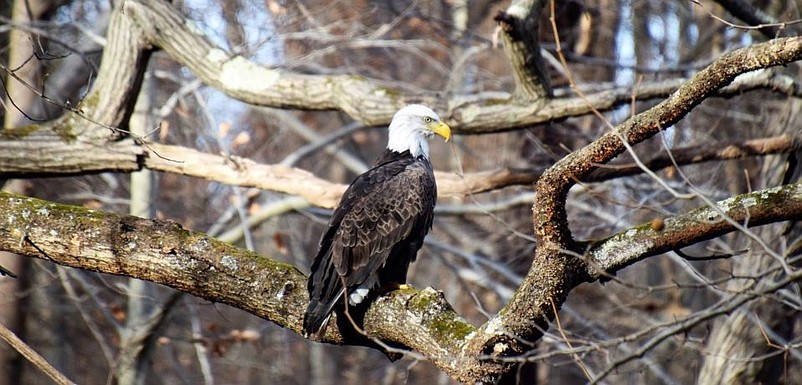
[263,46]
[663,29]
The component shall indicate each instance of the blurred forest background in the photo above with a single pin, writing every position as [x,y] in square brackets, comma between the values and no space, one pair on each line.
[88,325]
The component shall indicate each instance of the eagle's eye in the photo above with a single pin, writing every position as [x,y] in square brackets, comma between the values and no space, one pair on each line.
[427,119]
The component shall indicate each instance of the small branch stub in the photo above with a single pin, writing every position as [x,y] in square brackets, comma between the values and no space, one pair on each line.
[519,26]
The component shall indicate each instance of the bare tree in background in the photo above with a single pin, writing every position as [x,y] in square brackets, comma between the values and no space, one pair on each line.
[593,136]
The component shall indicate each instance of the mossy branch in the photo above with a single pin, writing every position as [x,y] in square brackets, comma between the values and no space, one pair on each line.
[783,203]
[422,320]
[154,250]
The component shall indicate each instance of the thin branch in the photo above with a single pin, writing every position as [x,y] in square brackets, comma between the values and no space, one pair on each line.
[766,24]
[291,122]
[89,321]
[271,210]
[317,143]
[710,257]
[781,144]
[724,306]
[32,356]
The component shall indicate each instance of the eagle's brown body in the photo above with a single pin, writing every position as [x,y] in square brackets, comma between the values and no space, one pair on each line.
[373,236]
[381,220]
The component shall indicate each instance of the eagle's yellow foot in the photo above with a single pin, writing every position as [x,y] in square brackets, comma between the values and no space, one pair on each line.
[395,286]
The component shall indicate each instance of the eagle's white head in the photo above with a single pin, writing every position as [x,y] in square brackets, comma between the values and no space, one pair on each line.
[412,126]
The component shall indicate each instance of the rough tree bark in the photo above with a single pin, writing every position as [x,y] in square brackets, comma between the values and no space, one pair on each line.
[191,262]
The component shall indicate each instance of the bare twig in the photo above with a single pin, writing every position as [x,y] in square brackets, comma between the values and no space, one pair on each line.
[32,356]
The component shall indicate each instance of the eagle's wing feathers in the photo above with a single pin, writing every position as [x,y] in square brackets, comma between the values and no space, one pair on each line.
[386,214]
[381,220]
[379,210]
[358,230]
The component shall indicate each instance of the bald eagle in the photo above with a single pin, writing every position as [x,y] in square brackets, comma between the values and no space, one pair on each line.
[379,224]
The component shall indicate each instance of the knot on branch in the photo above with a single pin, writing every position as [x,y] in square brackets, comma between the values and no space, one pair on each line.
[510,25]
[501,346]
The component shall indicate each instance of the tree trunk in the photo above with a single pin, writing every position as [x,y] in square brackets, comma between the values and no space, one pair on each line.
[19,101]
[132,368]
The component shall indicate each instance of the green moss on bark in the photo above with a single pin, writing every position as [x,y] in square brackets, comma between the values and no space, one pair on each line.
[439,316]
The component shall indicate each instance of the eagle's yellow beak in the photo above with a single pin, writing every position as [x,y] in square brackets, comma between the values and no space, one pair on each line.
[441,129]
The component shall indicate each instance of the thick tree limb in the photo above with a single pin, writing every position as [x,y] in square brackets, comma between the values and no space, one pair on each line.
[192,262]
[627,247]
[370,101]
[61,143]
[47,152]
[43,153]
[157,251]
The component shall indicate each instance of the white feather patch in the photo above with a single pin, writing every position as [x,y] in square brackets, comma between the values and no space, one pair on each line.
[357,296]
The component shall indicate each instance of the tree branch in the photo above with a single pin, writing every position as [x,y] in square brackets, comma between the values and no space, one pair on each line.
[370,101]
[519,26]
[165,253]
[44,153]
[783,203]
[158,251]
[35,358]
[766,24]
[551,223]
[555,269]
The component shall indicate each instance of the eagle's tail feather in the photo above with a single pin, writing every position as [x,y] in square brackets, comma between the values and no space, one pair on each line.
[317,316]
